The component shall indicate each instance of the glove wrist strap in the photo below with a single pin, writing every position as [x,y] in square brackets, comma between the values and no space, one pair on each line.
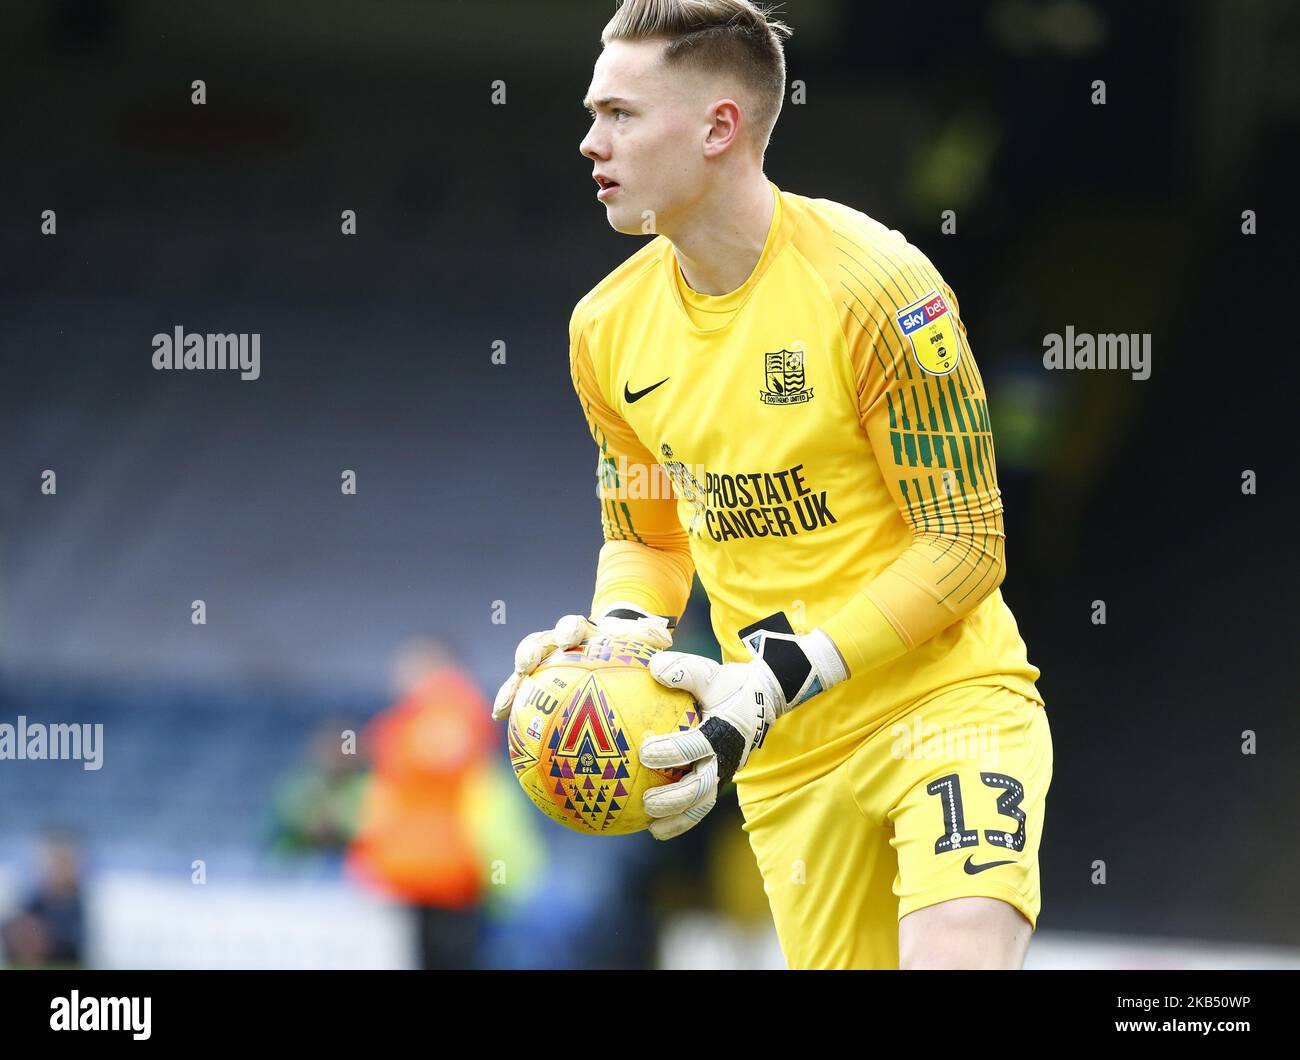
[825,657]
[621,609]
[802,666]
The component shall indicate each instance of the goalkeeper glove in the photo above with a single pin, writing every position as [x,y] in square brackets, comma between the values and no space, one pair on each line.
[618,620]
[738,702]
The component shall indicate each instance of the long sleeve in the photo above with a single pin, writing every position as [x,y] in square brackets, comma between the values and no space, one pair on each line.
[646,558]
[924,409]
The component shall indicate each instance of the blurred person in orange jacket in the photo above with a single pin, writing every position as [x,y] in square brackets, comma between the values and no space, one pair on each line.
[416,833]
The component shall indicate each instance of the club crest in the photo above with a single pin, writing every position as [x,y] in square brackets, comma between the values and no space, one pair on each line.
[785,382]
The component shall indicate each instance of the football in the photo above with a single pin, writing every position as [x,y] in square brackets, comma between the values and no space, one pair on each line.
[574,731]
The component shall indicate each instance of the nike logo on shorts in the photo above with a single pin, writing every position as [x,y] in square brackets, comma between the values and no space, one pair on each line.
[971,868]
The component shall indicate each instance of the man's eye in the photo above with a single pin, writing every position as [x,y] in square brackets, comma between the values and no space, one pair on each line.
[618,111]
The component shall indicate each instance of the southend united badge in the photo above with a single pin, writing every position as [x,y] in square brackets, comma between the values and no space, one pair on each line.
[784,378]
[932,330]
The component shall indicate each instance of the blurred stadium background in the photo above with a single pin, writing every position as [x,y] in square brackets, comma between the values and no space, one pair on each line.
[476,225]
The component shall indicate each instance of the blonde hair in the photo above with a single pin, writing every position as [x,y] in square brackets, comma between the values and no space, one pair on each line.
[732,35]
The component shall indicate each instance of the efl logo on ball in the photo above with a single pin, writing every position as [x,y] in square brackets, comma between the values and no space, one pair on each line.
[574,731]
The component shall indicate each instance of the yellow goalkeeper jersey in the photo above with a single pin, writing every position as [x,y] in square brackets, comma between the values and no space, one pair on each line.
[817,443]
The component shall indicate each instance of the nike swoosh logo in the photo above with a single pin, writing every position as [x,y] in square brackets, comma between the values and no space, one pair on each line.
[971,868]
[630,396]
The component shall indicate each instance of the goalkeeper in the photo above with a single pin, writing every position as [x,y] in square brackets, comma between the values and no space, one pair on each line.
[803,376]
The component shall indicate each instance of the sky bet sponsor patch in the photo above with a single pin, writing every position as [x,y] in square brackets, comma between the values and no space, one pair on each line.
[930,328]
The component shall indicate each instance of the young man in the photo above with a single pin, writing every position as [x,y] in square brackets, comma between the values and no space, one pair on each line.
[803,376]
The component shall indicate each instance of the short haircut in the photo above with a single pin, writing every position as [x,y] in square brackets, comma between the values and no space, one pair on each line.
[732,35]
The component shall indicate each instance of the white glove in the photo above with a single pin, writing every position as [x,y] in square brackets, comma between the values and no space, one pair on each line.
[738,703]
[619,620]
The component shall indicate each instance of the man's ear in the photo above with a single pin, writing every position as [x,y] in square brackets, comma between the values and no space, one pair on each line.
[725,128]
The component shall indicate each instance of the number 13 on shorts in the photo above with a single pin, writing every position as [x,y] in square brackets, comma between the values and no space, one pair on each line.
[971,827]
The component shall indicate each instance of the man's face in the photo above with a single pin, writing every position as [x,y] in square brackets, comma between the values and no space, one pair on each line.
[646,138]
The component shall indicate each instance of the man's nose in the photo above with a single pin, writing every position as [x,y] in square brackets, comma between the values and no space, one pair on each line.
[591,147]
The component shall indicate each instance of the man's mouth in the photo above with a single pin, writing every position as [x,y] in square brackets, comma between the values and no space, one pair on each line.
[607,187]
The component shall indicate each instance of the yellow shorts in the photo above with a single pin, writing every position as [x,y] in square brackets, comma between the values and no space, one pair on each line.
[945,801]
